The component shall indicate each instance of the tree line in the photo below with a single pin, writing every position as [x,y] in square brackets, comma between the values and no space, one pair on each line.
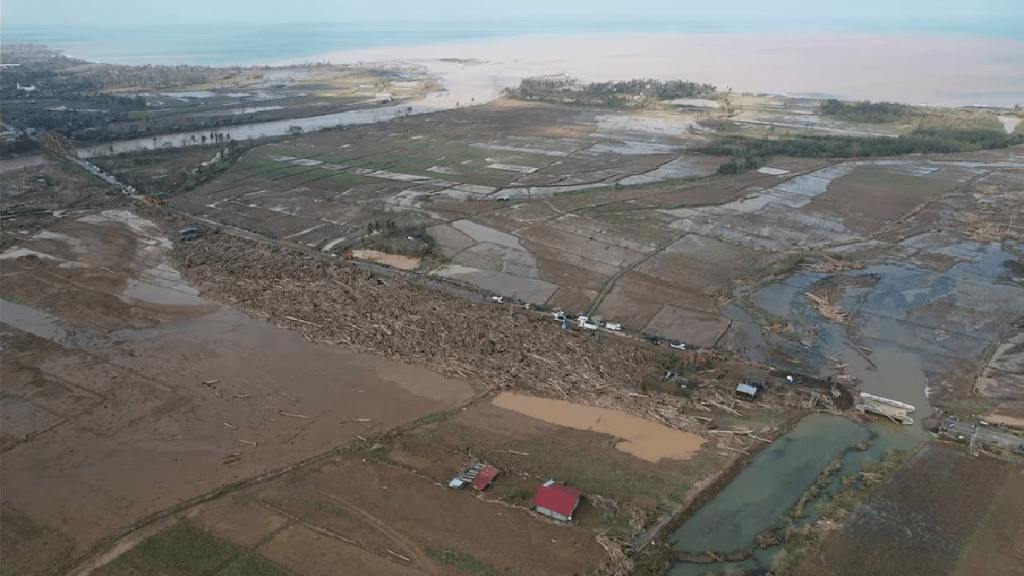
[750,153]
[631,92]
[869,112]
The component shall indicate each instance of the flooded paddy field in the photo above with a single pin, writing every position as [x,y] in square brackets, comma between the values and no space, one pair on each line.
[924,304]
[137,395]
[900,277]
[744,526]
[582,209]
[939,514]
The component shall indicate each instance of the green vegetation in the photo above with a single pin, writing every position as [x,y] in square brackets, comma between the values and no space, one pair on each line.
[517,496]
[161,172]
[804,540]
[410,240]
[919,116]
[783,265]
[971,407]
[738,165]
[629,93]
[464,562]
[183,549]
[326,507]
[815,489]
[872,112]
[922,141]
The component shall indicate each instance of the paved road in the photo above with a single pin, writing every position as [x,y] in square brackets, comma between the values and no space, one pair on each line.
[956,429]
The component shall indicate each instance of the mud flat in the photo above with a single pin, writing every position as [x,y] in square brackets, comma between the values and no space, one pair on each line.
[801,63]
[121,400]
[393,260]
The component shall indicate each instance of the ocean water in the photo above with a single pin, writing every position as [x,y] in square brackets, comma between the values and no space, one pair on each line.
[220,44]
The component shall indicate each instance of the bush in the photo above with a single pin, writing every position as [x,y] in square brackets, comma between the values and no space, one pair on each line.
[737,165]
[873,112]
[409,240]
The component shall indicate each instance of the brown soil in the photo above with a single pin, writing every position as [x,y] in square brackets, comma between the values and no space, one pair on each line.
[113,423]
[997,548]
[393,260]
[572,300]
[921,521]
[695,328]
[379,514]
[529,450]
[650,289]
[870,198]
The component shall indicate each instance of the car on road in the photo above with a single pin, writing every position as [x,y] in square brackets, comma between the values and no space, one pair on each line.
[678,345]
[613,326]
[497,299]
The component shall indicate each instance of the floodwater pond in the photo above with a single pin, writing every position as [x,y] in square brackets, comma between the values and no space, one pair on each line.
[642,438]
[766,491]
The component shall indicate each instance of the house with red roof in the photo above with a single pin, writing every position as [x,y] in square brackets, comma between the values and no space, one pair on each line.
[479,476]
[557,500]
[484,477]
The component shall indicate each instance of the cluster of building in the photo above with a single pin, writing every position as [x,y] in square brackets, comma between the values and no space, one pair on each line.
[552,499]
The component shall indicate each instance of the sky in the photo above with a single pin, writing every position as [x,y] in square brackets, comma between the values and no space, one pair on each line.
[151,12]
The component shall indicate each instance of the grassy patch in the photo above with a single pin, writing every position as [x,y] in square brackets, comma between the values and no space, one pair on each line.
[802,541]
[183,549]
[812,493]
[517,496]
[251,565]
[464,562]
[325,507]
[784,265]
[878,178]
[406,239]
[971,406]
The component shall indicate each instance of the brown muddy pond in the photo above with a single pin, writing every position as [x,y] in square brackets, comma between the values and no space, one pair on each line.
[641,438]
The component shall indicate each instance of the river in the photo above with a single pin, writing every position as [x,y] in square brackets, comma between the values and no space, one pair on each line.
[464,84]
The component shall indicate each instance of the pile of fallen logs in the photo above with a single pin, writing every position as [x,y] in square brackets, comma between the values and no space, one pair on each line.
[341,304]
[830,264]
[827,310]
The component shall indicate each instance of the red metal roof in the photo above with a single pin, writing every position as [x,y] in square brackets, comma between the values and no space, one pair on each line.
[557,497]
[484,477]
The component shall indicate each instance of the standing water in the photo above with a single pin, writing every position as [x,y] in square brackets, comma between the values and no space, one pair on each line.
[765,492]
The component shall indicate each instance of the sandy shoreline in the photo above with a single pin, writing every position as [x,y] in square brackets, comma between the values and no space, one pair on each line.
[927,70]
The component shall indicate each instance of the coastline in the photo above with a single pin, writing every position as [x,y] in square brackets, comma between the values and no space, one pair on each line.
[921,70]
